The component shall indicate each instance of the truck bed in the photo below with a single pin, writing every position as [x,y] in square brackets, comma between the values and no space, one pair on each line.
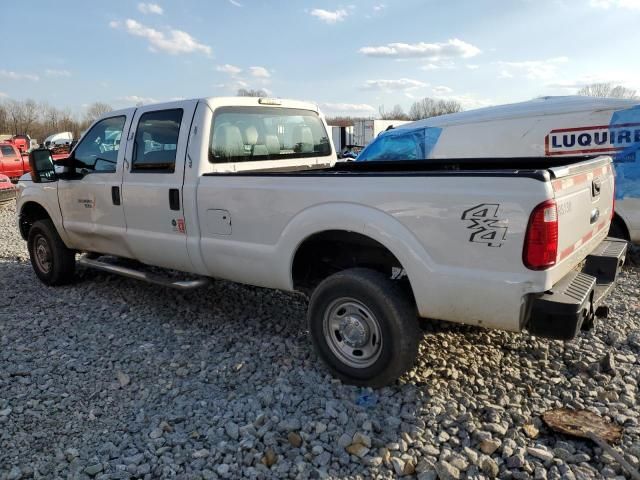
[513,166]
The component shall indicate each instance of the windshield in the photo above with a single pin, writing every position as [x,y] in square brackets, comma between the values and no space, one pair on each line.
[247,134]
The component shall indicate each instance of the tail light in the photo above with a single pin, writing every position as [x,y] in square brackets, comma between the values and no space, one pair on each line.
[541,241]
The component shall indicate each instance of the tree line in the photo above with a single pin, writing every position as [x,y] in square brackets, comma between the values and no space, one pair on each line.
[39,120]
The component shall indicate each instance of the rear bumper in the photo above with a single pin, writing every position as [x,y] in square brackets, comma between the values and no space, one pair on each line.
[561,312]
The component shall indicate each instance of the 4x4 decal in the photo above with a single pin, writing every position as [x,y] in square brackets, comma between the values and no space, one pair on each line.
[487,227]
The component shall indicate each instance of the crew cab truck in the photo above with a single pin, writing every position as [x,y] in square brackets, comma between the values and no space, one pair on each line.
[249,190]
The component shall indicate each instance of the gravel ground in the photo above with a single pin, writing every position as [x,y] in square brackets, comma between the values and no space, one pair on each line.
[111,378]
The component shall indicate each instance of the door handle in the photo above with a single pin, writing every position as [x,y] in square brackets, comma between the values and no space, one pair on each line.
[174,199]
[115,195]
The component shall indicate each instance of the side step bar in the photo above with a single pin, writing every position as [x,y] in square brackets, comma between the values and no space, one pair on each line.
[139,275]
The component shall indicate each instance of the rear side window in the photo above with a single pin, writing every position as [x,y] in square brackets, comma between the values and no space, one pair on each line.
[7,151]
[156,142]
[249,134]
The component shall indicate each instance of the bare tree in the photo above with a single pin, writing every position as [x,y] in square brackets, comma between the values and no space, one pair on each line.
[396,113]
[429,107]
[608,90]
[21,115]
[3,119]
[95,110]
[250,92]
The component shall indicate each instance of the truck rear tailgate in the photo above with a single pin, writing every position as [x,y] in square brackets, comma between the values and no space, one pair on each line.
[584,195]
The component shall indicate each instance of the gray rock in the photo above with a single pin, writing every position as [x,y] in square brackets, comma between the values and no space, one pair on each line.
[446,471]
[232,430]
[490,467]
[14,474]
[540,452]
[93,470]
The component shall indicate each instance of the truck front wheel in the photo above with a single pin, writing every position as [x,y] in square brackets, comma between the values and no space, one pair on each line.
[364,327]
[52,261]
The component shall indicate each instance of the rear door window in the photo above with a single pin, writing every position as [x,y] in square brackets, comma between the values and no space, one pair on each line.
[156,141]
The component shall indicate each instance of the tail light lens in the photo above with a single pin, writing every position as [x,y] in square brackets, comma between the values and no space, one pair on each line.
[541,241]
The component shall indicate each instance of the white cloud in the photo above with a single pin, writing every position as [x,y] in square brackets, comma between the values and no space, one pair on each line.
[260,72]
[391,85]
[445,65]
[348,108]
[533,69]
[606,4]
[3,95]
[473,67]
[135,99]
[329,16]
[11,75]
[442,90]
[228,68]
[49,72]
[468,101]
[150,8]
[379,7]
[453,48]
[625,79]
[235,3]
[174,42]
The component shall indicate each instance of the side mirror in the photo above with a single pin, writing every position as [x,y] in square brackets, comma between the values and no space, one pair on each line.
[42,167]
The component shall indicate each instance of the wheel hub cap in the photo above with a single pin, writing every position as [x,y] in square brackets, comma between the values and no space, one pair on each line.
[352,332]
[43,255]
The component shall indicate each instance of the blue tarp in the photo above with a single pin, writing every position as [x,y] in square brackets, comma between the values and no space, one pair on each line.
[401,144]
[624,130]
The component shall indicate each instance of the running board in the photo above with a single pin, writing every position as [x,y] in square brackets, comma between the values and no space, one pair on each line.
[139,275]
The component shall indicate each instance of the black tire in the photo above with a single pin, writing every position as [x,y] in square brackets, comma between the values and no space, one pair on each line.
[394,316]
[618,230]
[52,261]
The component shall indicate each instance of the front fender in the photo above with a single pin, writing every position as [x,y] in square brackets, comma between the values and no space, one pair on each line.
[44,195]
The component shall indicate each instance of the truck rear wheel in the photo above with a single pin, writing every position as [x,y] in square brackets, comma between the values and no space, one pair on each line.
[364,327]
[52,261]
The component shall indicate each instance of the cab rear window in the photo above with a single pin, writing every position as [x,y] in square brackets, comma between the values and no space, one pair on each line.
[249,134]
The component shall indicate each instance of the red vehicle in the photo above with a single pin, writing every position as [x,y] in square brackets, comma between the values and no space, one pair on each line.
[22,143]
[7,190]
[12,163]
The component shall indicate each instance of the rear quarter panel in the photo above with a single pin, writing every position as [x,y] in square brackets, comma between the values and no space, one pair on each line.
[459,237]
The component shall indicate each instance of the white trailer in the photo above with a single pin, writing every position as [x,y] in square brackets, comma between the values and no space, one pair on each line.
[364,131]
[342,137]
[557,128]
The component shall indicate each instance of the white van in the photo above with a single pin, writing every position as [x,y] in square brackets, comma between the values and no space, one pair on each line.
[553,127]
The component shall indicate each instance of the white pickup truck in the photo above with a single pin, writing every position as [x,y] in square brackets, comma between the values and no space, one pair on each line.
[249,190]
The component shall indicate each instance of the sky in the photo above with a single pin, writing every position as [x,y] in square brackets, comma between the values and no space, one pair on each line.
[349,57]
